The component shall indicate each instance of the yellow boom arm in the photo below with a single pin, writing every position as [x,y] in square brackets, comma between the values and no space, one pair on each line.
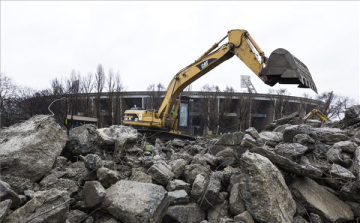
[240,44]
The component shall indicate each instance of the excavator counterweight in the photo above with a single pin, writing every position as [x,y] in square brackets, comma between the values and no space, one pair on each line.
[284,68]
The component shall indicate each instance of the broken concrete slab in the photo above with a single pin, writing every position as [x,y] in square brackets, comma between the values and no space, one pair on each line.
[29,149]
[318,200]
[6,193]
[262,183]
[190,213]
[38,207]
[160,173]
[178,197]
[4,208]
[237,204]
[107,177]
[127,200]
[94,193]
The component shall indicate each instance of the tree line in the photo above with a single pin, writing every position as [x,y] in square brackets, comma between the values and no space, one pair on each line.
[81,94]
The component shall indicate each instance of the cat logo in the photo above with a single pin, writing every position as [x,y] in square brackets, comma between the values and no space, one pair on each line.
[206,63]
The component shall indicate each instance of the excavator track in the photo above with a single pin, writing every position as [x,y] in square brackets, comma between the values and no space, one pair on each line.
[152,134]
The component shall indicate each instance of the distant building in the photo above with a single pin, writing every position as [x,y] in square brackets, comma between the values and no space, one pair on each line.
[214,112]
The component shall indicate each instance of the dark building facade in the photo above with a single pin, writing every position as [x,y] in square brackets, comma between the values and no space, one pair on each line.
[204,113]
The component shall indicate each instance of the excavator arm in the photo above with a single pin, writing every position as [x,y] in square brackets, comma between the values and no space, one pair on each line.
[318,113]
[281,67]
[241,44]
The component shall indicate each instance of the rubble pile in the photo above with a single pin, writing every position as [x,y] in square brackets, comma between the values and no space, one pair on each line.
[292,172]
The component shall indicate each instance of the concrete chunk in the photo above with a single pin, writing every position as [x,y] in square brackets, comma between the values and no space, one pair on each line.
[318,200]
[134,202]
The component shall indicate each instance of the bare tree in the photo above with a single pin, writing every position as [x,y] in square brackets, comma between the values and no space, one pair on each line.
[227,106]
[87,87]
[99,86]
[111,87]
[73,96]
[155,92]
[7,95]
[281,103]
[209,107]
[118,108]
[245,105]
[333,105]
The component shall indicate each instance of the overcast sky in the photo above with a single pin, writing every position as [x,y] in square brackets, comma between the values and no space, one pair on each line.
[149,42]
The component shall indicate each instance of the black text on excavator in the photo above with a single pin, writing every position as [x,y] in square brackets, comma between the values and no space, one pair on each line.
[281,67]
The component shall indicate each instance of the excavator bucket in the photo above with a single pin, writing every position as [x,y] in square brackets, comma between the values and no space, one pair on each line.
[284,68]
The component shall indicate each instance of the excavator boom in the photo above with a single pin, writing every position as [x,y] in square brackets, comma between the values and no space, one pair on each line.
[281,67]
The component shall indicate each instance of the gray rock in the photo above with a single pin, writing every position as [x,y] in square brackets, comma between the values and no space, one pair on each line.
[314,218]
[76,216]
[210,159]
[139,176]
[345,146]
[230,139]
[262,183]
[29,149]
[318,200]
[29,194]
[305,140]
[117,133]
[64,185]
[198,187]
[355,207]
[60,162]
[252,132]
[281,128]
[244,217]
[178,167]
[293,130]
[341,172]
[237,204]
[42,202]
[107,177]
[94,193]
[190,213]
[7,193]
[178,185]
[160,173]
[330,135]
[107,219]
[334,155]
[352,116]
[191,171]
[248,141]
[178,197]
[270,138]
[287,164]
[89,220]
[93,161]
[178,143]
[83,140]
[226,157]
[127,200]
[299,219]
[211,192]
[356,166]
[291,150]
[4,208]
[23,200]
[218,212]
[78,172]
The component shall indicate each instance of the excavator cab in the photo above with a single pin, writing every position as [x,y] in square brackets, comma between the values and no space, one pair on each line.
[284,68]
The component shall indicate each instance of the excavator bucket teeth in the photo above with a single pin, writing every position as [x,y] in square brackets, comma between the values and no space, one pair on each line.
[284,68]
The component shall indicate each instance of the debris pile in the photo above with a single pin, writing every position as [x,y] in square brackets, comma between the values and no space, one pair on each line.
[293,172]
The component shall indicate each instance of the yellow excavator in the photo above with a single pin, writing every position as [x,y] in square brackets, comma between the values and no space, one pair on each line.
[318,113]
[281,67]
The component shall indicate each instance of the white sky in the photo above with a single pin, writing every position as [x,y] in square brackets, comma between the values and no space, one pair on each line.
[149,42]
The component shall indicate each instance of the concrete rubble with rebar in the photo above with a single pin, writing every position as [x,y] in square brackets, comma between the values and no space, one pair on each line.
[291,172]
